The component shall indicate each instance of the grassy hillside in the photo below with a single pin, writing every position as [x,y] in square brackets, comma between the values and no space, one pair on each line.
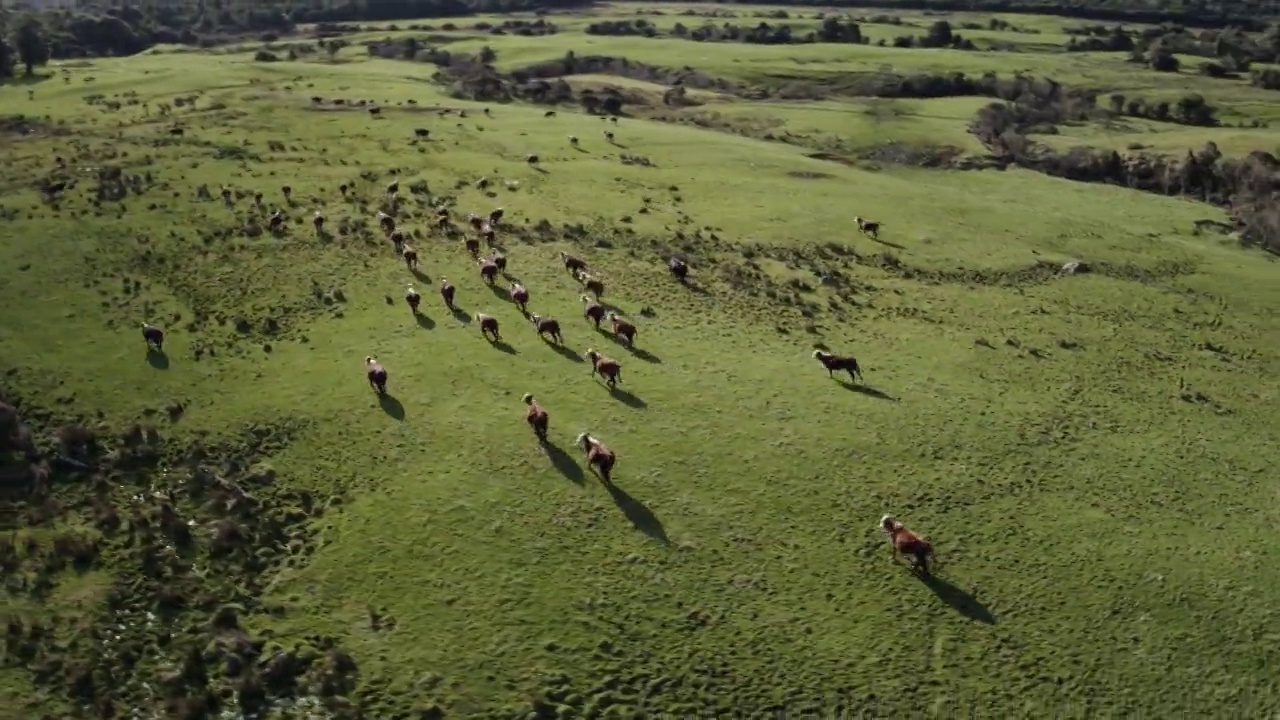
[1091,454]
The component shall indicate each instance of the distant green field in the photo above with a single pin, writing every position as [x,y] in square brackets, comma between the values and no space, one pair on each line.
[1090,453]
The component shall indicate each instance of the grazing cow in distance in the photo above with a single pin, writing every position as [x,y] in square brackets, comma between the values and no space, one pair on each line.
[153,336]
[599,457]
[536,417]
[836,362]
[905,542]
[488,326]
[547,327]
[868,227]
[623,329]
[605,367]
[495,217]
[412,297]
[447,291]
[592,310]
[318,221]
[377,375]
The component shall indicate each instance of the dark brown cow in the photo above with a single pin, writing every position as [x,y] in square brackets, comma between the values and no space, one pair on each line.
[868,228]
[573,264]
[593,285]
[153,336]
[473,247]
[547,327]
[488,270]
[410,257]
[412,297]
[592,310]
[678,268]
[377,375]
[488,326]
[520,296]
[834,363]
[447,291]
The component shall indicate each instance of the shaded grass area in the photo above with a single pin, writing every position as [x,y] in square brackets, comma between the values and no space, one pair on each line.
[1075,446]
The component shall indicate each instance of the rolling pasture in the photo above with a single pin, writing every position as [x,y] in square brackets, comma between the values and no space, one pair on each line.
[1092,454]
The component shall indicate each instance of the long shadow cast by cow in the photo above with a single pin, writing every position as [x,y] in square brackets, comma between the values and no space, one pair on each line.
[868,391]
[424,322]
[628,399]
[157,359]
[961,601]
[610,307]
[645,355]
[500,292]
[461,316]
[564,463]
[505,347]
[640,516]
[566,353]
[894,245]
[421,276]
[391,406]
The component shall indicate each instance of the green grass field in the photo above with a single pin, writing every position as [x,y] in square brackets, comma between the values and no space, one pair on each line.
[1092,455]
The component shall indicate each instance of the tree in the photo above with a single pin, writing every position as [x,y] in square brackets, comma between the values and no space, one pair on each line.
[6,58]
[32,44]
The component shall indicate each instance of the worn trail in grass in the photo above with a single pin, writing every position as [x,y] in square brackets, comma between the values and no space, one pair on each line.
[1078,447]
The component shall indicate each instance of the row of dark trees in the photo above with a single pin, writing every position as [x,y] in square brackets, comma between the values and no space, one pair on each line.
[79,29]
[832,30]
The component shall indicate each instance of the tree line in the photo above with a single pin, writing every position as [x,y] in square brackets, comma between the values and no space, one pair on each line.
[31,38]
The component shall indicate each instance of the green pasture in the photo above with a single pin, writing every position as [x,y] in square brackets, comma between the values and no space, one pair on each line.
[1091,454]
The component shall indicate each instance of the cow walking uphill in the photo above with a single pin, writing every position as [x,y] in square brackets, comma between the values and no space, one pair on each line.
[412,297]
[906,542]
[447,291]
[377,375]
[599,457]
[605,367]
[536,417]
[153,336]
[592,310]
[833,363]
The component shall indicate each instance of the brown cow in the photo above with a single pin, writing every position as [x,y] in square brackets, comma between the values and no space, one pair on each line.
[599,457]
[606,367]
[547,327]
[488,326]
[377,375]
[536,417]
[623,329]
[906,542]
[592,310]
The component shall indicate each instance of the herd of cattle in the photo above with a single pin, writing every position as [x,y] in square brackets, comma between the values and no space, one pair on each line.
[599,457]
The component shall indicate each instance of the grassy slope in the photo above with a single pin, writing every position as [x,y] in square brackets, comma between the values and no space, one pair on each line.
[1119,537]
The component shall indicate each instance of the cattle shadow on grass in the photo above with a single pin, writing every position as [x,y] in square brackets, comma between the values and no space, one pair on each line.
[504,346]
[644,355]
[564,463]
[391,406]
[961,601]
[424,322]
[611,308]
[461,316]
[157,359]
[500,292]
[867,390]
[640,516]
[628,399]
[565,352]
[421,276]
[893,245]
